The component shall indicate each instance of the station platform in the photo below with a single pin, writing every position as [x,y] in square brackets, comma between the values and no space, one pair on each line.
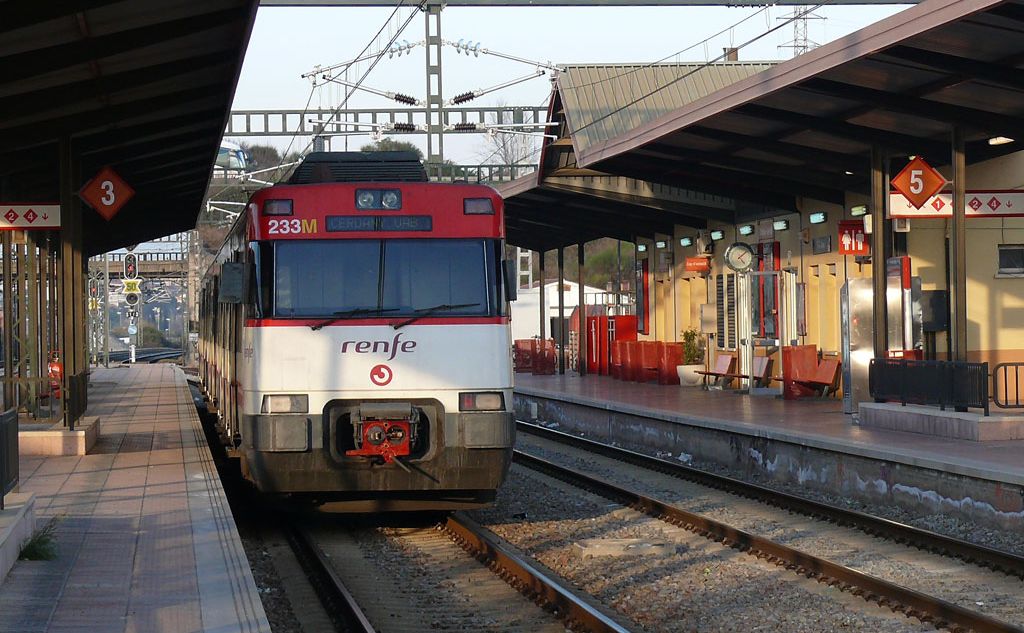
[806,442]
[145,540]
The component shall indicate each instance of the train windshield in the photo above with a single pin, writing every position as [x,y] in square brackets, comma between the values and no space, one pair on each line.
[321,278]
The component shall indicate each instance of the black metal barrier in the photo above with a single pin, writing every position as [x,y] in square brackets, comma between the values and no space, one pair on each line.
[934,382]
[1008,385]
[8,453]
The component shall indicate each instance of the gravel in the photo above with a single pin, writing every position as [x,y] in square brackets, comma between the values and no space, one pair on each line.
[704,586]
[976,588]
[268,583]
[955,526]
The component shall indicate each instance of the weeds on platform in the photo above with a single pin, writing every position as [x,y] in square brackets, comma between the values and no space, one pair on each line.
[40,545]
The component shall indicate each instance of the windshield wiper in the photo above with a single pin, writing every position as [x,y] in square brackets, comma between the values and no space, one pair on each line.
[348,314]
[425,312]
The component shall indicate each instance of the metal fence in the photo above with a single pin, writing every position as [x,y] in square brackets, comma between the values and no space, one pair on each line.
[933,382]
[8,453]
[1008,385]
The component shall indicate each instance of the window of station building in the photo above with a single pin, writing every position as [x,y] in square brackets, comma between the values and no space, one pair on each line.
[1011,259]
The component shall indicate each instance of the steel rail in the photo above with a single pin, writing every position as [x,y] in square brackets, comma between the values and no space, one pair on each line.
[527,578]
[339,603]
[901,599]
[998,560]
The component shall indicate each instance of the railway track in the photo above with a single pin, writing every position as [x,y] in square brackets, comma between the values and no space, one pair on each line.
[899,598]
[410,579]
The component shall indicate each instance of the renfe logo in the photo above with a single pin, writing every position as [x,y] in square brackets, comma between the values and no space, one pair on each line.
[391,347]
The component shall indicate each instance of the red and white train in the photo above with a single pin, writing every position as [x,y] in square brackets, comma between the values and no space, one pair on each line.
[354,337]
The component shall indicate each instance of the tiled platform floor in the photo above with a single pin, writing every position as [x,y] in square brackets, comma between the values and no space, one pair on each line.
[145,539]
[818,423]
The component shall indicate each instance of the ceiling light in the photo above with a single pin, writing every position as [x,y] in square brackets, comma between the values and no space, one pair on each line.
[999,140]
[848,173]
[780,225]
[717,235]
[686,241]
[818,217]
[747,229]
[859,210]
[642,248]
[660,244]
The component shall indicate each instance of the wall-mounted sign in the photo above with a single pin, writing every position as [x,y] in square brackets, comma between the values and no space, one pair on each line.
[821,245]
[107,192]
[20,216]
[978,204]
[918,181]
[700,265]
[852,238]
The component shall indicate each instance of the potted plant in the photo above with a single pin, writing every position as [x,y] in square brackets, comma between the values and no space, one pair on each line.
[693,358]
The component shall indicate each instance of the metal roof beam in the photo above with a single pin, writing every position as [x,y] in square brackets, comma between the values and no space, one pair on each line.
[574,231]
[142,134]
[64,95]
[684,213]
[970,118]
[781,172]
[641,171]
[994,72]
[37,62]
[811,155]
[848,131]
[36,132]
[561,3]
[17,14]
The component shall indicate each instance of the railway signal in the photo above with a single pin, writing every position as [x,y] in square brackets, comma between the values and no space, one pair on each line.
[131,266]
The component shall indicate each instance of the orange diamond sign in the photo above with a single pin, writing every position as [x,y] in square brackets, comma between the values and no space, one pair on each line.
[918,182]
[107,192]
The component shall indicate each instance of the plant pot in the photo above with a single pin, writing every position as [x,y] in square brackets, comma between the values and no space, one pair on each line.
[688,376]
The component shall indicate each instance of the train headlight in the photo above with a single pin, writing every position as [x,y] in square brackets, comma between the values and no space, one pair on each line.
[391,199]
[482,401]
[285,403]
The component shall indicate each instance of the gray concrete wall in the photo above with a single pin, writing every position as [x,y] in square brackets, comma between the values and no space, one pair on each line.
[918,490]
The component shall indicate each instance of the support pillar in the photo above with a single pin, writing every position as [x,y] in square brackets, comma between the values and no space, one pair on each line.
[581,363]
[435,94]
[71,294]
[8,339]
[879,193]
[542,298]
[561,310]
[958,252]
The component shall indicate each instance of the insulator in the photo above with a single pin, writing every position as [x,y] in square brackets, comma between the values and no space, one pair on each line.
[463,98]
[404,127]
[406,99]
[464,127]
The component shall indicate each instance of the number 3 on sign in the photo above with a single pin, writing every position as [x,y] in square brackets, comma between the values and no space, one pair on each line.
[287,227]
[108,193]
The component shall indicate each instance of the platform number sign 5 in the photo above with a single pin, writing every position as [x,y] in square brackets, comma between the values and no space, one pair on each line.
[918,182]
[107,192]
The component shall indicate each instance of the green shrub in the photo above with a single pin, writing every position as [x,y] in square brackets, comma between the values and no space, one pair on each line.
[693,347]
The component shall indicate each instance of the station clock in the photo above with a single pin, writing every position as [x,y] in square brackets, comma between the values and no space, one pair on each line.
[740,257]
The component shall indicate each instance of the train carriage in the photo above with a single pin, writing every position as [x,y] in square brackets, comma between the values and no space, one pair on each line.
[355,339]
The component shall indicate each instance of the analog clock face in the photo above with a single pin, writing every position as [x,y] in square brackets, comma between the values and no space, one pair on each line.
[739,257]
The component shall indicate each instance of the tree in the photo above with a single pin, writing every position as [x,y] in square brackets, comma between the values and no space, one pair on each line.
[391,145]
[503,148]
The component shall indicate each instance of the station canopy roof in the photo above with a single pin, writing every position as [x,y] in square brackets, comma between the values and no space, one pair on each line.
[762,134]
[564,204]
[144,87]
[806,127]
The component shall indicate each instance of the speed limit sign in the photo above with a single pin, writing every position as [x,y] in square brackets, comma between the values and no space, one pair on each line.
[107,192]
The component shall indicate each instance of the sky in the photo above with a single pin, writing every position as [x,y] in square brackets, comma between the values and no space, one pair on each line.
[287,42]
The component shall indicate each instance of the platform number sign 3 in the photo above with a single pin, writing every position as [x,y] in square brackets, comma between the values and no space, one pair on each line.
[107,192]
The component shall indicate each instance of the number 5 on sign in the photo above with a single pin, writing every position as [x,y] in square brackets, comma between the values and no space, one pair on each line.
[107,192]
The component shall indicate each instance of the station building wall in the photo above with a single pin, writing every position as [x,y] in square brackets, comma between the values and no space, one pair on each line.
[995,302]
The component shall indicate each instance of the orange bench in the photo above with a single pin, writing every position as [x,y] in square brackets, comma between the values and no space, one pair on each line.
[762,373]
[825,379]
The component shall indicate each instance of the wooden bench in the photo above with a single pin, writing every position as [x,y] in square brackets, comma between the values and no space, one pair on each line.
[825,378]
[724,371]
[762,373]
